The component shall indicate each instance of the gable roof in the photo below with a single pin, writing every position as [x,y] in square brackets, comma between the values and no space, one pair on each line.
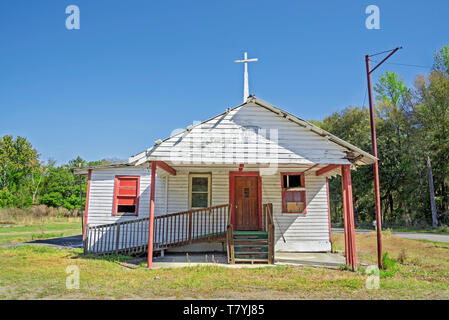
[299,140]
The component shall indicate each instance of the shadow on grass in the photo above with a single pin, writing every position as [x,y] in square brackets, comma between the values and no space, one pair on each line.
[106,257]
[130,261]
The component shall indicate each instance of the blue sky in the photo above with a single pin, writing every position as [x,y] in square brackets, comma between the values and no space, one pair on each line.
[136,70]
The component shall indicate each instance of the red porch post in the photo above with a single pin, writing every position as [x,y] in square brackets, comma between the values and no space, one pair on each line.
[344,190]
[348,214]
[151,220]
[329,210]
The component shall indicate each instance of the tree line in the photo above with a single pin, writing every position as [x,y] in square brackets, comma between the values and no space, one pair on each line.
[412,128]
[25,181]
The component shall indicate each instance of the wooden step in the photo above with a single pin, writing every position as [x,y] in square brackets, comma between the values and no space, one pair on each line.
[251,260]
[250,233]
[249,237]
[249,253]
[251,247]
[260,237]
[249,241]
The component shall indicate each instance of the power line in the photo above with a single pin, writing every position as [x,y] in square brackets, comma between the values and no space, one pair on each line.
[376,54]
[410,65]
[363,104]
[406,65]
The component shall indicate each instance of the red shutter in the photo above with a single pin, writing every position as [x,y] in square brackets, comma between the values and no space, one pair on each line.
[126,192]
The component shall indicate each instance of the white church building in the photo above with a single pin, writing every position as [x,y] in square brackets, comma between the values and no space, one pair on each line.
[251,181]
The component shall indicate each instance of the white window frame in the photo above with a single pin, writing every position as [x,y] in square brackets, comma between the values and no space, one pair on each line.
[209,188]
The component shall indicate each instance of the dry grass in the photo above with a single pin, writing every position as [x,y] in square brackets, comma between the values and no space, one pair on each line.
[413,252]
[32,214]
[34,272]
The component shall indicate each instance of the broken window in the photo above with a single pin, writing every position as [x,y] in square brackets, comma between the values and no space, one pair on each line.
[293,193]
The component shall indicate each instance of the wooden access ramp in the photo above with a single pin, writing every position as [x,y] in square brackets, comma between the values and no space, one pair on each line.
[170,230]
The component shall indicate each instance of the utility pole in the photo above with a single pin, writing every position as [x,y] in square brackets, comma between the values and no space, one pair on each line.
[374,151]
[432,194]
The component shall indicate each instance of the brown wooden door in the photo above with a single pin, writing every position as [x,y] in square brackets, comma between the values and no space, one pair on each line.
[246,203]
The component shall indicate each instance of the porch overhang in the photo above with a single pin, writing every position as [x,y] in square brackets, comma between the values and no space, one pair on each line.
[327,169]
[166,167]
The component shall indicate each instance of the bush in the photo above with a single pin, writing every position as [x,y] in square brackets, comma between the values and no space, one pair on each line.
[387,233]
[402,256]
[7,199]
[40,211]
[443,229]
[388,263]
[390,267]
[11,213]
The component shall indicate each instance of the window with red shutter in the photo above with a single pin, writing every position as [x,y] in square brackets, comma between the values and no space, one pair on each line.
[293,193]
[126,195]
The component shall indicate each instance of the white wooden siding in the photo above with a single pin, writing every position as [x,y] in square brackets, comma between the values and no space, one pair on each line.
[178,188]
[302,232]
[101,194]
[220,140]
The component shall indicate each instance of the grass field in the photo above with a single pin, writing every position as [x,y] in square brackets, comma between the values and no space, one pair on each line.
[439,230]
[417,270]
[23,230]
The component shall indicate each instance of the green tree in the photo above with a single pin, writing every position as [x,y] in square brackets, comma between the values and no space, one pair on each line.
[432,115]
[391,88]
[18,163]
[393,132]
[441,60]
[59,189]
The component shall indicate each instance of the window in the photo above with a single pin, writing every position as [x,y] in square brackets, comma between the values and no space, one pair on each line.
[126,196]
[199,190]
[293,193]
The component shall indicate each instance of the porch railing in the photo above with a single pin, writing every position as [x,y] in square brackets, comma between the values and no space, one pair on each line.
[268,226]
[205,224]
[170,230]
[230,240]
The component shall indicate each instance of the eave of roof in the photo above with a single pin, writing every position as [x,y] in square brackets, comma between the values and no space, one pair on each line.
[85,170]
